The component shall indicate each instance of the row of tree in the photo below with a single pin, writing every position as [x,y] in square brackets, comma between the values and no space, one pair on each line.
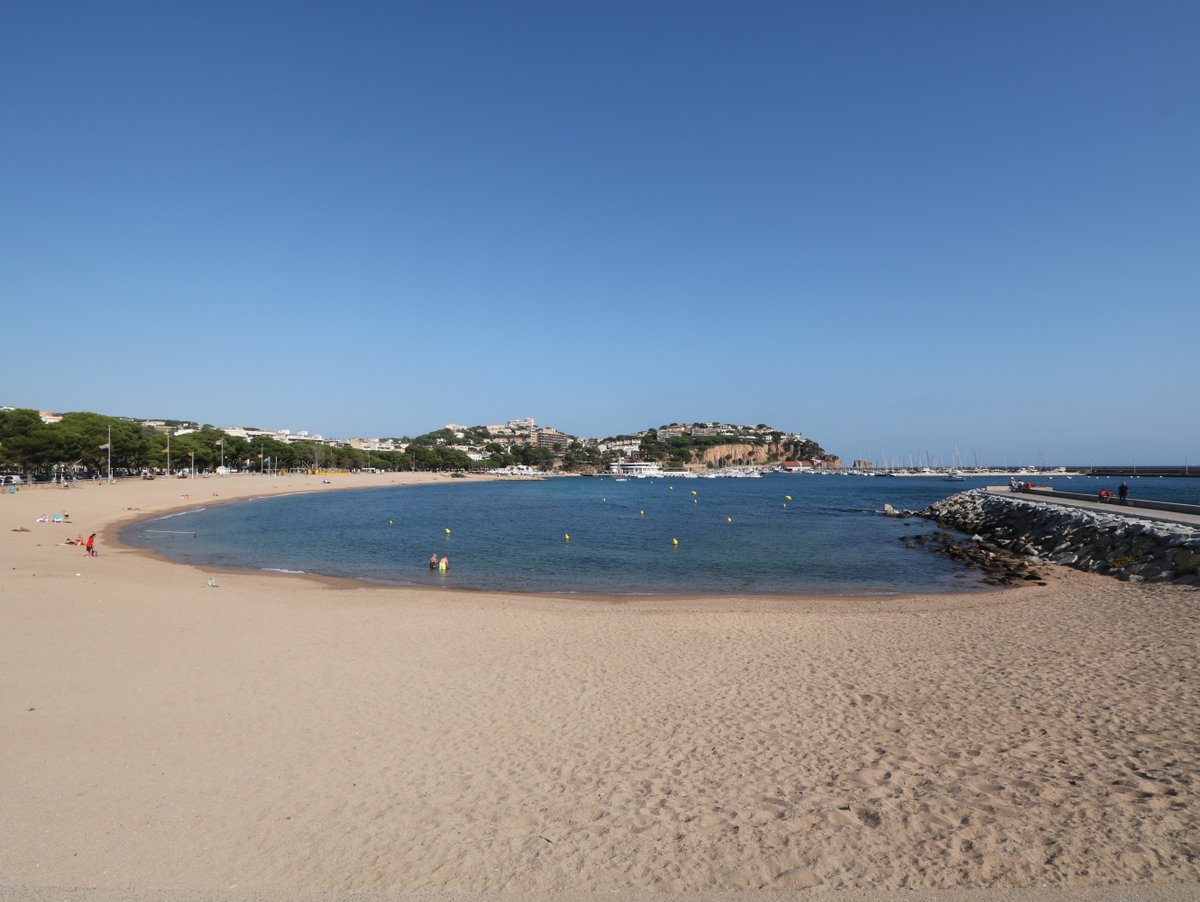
[78,443]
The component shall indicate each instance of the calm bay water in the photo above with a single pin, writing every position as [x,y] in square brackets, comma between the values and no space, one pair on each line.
[736,536]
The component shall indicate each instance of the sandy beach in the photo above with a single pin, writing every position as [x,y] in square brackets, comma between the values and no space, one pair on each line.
[287,737]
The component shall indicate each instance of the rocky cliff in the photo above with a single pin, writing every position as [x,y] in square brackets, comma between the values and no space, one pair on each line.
[737,455]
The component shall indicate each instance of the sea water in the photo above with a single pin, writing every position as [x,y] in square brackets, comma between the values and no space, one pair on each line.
[642,536]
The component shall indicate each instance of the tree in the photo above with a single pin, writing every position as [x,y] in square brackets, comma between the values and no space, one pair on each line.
[312,454]
[84,434]
[437,437]
[648,447]
[26,442]
[497,457]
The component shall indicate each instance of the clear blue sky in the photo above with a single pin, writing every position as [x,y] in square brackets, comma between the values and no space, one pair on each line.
[897,228]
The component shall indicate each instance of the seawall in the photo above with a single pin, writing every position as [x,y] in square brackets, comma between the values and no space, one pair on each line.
[1122,546]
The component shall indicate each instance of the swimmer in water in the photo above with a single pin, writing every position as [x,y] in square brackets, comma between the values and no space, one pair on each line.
[433,561]
[443,564]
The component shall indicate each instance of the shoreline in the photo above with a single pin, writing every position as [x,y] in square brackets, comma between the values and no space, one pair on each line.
[114,522]
[111,536]
[271,738]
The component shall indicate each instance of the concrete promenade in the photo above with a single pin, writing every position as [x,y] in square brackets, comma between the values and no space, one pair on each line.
[1049,496]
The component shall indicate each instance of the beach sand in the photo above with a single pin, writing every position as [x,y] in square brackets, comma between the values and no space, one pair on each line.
[287,737]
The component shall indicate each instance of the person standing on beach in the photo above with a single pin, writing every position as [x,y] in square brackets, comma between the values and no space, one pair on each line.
[90,545]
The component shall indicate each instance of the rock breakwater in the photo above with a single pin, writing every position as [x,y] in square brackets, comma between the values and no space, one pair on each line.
[1125,547]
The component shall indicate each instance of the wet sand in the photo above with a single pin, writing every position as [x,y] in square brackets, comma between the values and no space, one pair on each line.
[284,737]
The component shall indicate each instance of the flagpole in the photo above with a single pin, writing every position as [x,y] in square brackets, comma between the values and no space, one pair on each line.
[110,480]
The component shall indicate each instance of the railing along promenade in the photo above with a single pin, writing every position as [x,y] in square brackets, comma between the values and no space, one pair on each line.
[1134,470]
[1165,511]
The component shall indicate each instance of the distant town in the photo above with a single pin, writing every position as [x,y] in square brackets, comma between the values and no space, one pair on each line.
[40,440]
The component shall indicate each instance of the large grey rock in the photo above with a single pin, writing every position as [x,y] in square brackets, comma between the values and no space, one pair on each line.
[1185,560]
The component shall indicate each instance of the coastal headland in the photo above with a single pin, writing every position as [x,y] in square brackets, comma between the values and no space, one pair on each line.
[270,736]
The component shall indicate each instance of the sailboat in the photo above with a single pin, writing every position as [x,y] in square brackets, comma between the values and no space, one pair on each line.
[954,474]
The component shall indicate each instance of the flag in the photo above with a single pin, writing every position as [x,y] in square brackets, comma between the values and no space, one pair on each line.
[104,447]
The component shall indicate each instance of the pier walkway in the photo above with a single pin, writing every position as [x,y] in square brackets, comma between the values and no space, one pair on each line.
[1164,512]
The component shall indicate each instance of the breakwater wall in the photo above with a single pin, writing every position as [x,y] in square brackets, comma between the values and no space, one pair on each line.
[1121,546]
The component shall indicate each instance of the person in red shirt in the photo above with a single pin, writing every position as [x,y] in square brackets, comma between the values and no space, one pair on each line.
[90,545]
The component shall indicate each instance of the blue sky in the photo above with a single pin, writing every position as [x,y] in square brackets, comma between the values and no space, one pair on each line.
[897,228]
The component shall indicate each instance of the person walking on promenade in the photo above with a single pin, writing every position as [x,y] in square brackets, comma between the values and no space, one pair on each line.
[1123,491]
[90,545]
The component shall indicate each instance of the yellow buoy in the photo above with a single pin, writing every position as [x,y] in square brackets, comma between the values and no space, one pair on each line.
[729,519]
[675,542]
[785,505]
[566,537]
[693,491]
[641,513]
[788,497]
[391,522]
[447,530]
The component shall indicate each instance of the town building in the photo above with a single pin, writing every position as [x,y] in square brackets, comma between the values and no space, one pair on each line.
[795,466]
[375,444]
[552,438]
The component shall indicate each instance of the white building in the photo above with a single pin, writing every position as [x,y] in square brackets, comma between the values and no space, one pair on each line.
[621,446]
[634,468]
